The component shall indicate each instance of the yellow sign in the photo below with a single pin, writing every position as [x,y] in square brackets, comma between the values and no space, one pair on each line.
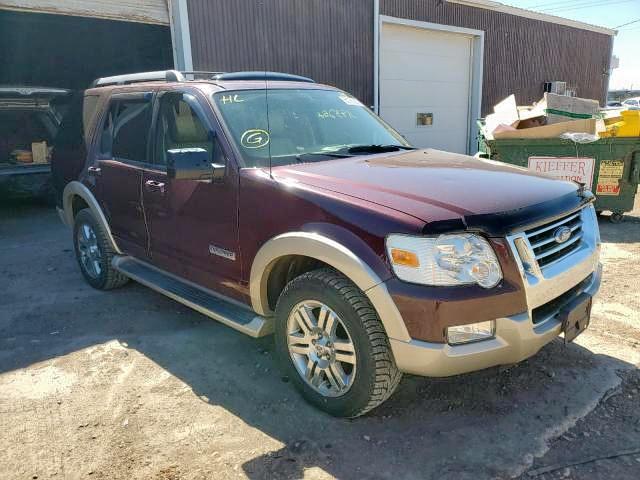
[609,177]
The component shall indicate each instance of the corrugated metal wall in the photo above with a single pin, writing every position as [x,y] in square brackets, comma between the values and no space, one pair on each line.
[521,54]
[332,41]
[328,40]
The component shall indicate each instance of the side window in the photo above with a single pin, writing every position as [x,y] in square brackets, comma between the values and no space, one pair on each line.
[180,126]
[126,130]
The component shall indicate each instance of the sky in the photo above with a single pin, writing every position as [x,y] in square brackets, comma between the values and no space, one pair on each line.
[606,13]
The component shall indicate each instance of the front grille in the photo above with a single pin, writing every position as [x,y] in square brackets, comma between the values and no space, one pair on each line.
[551,308]
[543,241]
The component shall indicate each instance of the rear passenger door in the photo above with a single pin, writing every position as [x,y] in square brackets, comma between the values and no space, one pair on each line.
[193,224]
[122,154]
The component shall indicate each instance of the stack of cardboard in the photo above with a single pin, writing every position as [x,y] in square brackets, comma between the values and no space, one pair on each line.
[551,117]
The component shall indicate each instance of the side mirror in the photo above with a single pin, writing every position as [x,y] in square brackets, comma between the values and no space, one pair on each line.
[192,164]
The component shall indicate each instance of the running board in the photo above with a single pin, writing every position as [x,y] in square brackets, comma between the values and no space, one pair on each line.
[205,302]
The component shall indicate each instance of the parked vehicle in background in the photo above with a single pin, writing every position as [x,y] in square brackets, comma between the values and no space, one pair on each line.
[632,103]
[277,205]
[29,121]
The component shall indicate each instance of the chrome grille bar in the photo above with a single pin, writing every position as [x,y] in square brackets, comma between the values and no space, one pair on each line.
[562,246]
[546,247]
[551,239]
[556,224]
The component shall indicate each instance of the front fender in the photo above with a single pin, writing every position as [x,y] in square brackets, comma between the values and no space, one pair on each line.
[334,254]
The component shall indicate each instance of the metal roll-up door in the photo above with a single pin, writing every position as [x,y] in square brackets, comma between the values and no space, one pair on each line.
[143,11]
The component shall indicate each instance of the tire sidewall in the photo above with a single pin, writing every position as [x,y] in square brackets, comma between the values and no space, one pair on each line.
[85,217]
[358,395]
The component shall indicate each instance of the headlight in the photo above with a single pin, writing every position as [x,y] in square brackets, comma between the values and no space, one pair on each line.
[446,260]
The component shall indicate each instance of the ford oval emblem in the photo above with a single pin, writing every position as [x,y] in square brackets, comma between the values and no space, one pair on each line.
[562,234]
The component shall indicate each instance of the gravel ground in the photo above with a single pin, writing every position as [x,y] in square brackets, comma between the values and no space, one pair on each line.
[129,384]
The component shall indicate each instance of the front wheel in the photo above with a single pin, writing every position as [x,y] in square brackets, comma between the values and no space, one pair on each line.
[333,346]
[616,217]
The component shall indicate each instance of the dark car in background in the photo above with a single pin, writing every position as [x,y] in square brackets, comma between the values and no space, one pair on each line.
[30,119]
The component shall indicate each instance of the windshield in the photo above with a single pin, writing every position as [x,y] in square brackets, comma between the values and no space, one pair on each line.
[301,125]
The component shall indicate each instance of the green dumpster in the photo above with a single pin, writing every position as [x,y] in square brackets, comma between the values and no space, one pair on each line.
[609,166]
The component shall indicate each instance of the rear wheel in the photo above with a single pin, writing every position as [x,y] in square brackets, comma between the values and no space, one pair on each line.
[333,345]
[94,253]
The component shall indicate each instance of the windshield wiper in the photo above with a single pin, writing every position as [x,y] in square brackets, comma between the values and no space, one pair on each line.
[378,148]
[351,151]
[300,156]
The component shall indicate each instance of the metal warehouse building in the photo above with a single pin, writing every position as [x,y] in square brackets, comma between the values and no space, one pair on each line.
[429,67]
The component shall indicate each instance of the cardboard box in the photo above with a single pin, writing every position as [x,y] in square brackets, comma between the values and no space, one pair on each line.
[511,121]
[549,131]
[507,116]
[39,152]
[560,108]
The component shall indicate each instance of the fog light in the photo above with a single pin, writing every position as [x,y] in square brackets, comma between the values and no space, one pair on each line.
[473,332]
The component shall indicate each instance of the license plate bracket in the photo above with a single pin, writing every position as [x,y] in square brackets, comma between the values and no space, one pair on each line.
[575,316]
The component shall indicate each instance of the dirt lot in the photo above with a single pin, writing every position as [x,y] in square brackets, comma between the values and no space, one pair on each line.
[129,384]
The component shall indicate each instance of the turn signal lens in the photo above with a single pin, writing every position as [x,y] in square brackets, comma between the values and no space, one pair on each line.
[404,258]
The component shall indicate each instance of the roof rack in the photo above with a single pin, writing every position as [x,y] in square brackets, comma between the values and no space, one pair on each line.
[162,76]
[177,76]
[262,75]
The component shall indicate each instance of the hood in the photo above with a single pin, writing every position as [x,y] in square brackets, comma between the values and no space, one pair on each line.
[445,190]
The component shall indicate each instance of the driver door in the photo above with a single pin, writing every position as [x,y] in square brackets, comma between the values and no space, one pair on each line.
[193,224]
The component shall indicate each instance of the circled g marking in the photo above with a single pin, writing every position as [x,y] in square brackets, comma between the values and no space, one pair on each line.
[255,138]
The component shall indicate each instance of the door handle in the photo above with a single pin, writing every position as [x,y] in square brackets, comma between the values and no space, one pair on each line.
[94,170]
[153,186]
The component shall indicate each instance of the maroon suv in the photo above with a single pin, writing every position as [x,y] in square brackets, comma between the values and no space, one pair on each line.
[274,204]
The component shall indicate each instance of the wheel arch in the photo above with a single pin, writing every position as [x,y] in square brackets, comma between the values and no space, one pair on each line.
[74,191]
[333,254]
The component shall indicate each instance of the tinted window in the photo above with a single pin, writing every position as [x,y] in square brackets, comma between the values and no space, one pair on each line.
[126,130]
[180,126]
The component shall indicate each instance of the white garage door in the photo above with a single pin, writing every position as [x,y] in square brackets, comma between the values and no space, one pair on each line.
[425,85]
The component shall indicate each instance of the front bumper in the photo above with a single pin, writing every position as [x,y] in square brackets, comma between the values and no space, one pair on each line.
[517,338]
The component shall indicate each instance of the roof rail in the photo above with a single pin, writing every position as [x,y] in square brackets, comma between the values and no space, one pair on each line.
[262,75]
[176,76]
[197,74]
[162,76]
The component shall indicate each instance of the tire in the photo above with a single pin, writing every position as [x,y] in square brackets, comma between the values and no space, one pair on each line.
[616,217]
[369,375]
[94,253]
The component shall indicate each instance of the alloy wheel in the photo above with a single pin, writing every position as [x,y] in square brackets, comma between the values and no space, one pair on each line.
[321,348]
[90,254]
